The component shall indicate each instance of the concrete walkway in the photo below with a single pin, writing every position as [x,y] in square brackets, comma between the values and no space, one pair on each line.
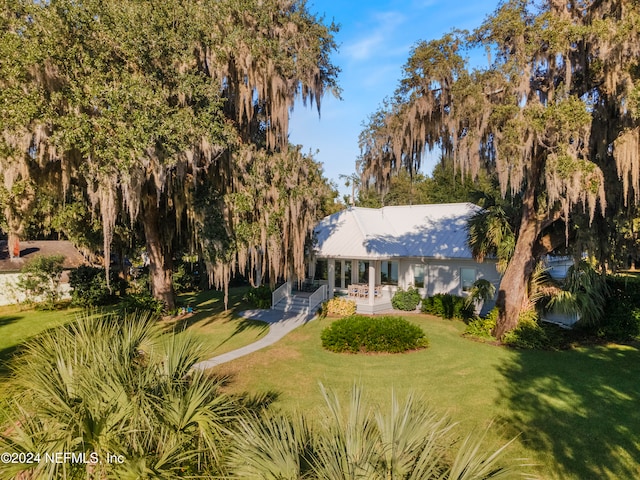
[279,325]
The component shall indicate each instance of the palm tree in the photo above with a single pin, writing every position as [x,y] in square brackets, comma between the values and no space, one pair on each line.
[115,387]
[584,292]
[491,233]
[482,291]
[407,441]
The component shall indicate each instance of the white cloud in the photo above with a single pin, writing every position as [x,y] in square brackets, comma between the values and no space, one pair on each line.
[377,38]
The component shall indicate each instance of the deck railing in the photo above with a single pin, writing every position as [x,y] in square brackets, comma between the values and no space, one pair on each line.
[319,296]
[283,291]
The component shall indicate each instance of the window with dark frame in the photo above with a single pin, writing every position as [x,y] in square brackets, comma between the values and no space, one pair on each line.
[467,278]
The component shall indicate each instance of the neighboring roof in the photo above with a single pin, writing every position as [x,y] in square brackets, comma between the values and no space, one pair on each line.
[437,231]
[28,250]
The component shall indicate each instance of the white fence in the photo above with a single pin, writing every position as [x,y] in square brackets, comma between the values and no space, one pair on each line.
[319,296]
[283,291]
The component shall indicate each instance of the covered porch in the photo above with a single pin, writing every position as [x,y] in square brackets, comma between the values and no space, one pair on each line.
[369,283]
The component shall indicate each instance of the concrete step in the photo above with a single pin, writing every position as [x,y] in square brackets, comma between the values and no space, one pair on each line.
[285,304]
[292,304]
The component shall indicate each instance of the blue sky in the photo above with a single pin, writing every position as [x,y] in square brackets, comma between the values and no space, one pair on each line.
[374,41]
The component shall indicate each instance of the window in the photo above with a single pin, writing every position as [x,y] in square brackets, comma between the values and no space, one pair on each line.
[467,278]
[347,273]
[363,272]
[322,270]
[418,275]
[389,273]
[338,274]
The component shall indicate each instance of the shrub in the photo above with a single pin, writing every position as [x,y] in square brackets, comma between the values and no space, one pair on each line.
[259,297]
[406,300]
[482,291]
[40,280]
[359,333]
[528,334]
[622,319]
[483,327]
[340,307]
[89,286]
[406,440]
[141,301]
[184,279]
[447,306]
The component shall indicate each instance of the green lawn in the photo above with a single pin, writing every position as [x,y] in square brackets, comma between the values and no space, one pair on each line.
[18,324]
[575,412]
[221,331]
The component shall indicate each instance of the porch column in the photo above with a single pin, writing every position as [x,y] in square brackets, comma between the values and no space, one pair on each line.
[331,274]
[291,280]
[259,270]
[372,281]
[312,268]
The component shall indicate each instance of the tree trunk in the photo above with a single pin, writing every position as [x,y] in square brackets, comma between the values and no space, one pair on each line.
[160,271]
[14,245]
[513,292]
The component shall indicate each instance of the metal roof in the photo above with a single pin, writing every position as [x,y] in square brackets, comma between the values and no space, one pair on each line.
[437,231]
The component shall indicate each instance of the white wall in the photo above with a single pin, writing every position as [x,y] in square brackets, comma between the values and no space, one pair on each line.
[443,276]
[8,292]
[10,295]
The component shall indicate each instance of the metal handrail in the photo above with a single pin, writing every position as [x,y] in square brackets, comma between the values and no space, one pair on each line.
[283,291]
[319,296]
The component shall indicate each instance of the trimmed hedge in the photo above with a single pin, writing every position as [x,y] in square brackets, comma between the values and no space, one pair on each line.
[362,334]
[406,300]
[447,306]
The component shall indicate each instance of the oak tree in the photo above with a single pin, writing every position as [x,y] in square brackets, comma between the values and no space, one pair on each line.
[147,106]
[554,115]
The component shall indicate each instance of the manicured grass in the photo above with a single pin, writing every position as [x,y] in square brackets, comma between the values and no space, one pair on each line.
[221,331]
[18,324]
[575,412]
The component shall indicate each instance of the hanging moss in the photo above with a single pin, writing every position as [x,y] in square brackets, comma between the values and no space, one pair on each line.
[143,103]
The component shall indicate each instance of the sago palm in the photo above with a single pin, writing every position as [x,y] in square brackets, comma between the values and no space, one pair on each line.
[115,386]
[359,442]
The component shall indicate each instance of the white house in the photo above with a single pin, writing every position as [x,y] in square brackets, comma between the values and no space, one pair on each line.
[370,253]
[10,266]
